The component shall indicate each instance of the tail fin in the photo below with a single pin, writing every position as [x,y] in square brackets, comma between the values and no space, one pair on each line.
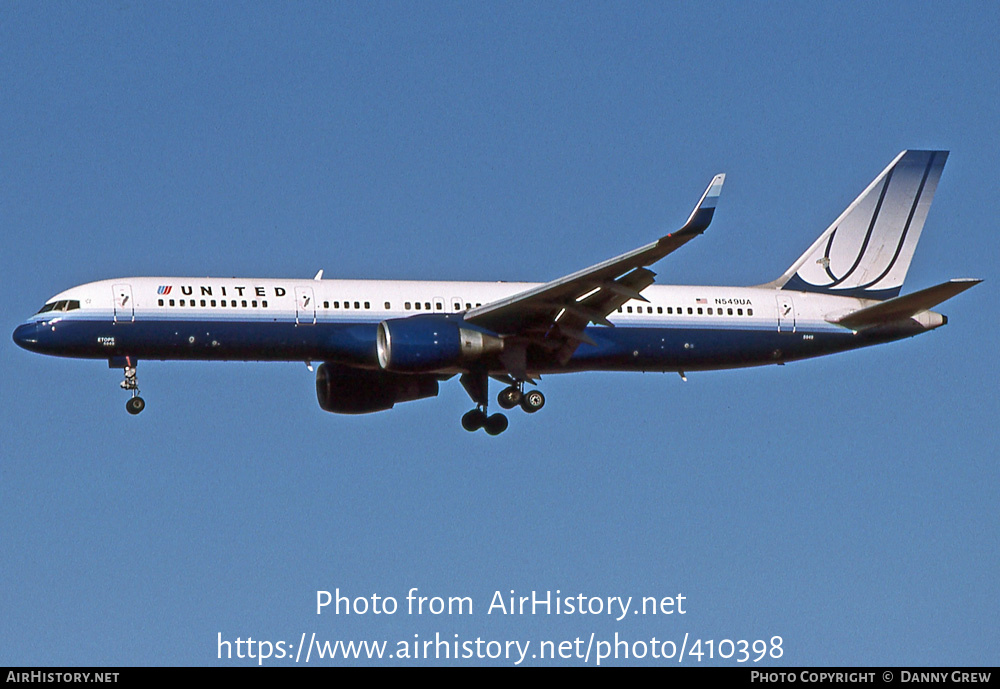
[867,250]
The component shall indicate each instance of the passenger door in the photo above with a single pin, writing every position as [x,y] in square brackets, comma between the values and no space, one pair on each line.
[305,306]
[786,314]
[124,306]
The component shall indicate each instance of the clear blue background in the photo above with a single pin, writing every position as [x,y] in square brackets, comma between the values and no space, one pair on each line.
[848,504]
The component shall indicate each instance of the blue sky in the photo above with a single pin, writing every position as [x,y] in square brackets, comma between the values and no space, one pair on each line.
[847,504]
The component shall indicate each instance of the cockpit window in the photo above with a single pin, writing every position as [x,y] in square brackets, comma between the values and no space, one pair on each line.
[63,305]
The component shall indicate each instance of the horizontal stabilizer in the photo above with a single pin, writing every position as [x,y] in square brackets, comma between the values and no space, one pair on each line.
[901,308]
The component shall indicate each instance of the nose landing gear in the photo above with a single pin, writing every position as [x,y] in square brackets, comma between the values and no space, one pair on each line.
[135,404]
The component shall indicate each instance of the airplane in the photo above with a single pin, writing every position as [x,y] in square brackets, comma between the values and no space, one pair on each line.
[385,342]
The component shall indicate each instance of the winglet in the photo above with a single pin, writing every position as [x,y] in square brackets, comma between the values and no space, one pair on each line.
[702,214]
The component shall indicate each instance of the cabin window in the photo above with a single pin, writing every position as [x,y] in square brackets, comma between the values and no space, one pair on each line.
[213,302]
[739,312]
[254,303]
[629,309]
[326,304]
[203,303]
[730,311]
[457,306]
[417,305]
[690,310]
[659,309]
[749,312]
[468,305]
[700,311]
[439,306]
[387,307]
[427,306]
[368,305]
[406,306]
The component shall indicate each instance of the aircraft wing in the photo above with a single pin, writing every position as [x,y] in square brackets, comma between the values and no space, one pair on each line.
[556,313]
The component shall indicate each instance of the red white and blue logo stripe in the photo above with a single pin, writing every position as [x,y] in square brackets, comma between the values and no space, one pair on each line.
[164,289]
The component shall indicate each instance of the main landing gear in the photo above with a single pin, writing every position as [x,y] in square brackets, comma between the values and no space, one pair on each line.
[514,395]
[494,424]
[476,384]
[135,403]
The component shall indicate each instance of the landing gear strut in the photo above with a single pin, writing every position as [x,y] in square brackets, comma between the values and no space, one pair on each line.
[135,403]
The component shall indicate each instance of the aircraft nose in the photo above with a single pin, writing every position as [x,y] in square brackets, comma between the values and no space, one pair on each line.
[25,335]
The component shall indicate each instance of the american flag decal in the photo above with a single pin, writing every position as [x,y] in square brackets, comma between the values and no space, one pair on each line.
[699,301]
[164,289]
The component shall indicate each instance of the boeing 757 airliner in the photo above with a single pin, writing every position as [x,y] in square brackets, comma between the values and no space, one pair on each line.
[383,342]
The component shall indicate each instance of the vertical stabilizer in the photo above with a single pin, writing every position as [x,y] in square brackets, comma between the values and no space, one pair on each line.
[867,250]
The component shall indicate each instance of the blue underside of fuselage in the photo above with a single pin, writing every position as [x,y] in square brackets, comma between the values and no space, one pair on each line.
[645,348]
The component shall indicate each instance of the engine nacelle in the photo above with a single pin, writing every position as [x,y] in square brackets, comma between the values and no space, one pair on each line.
[419,344]
[346,390]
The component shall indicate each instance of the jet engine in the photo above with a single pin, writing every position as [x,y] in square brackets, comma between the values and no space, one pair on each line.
[346,390]
[416,345]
